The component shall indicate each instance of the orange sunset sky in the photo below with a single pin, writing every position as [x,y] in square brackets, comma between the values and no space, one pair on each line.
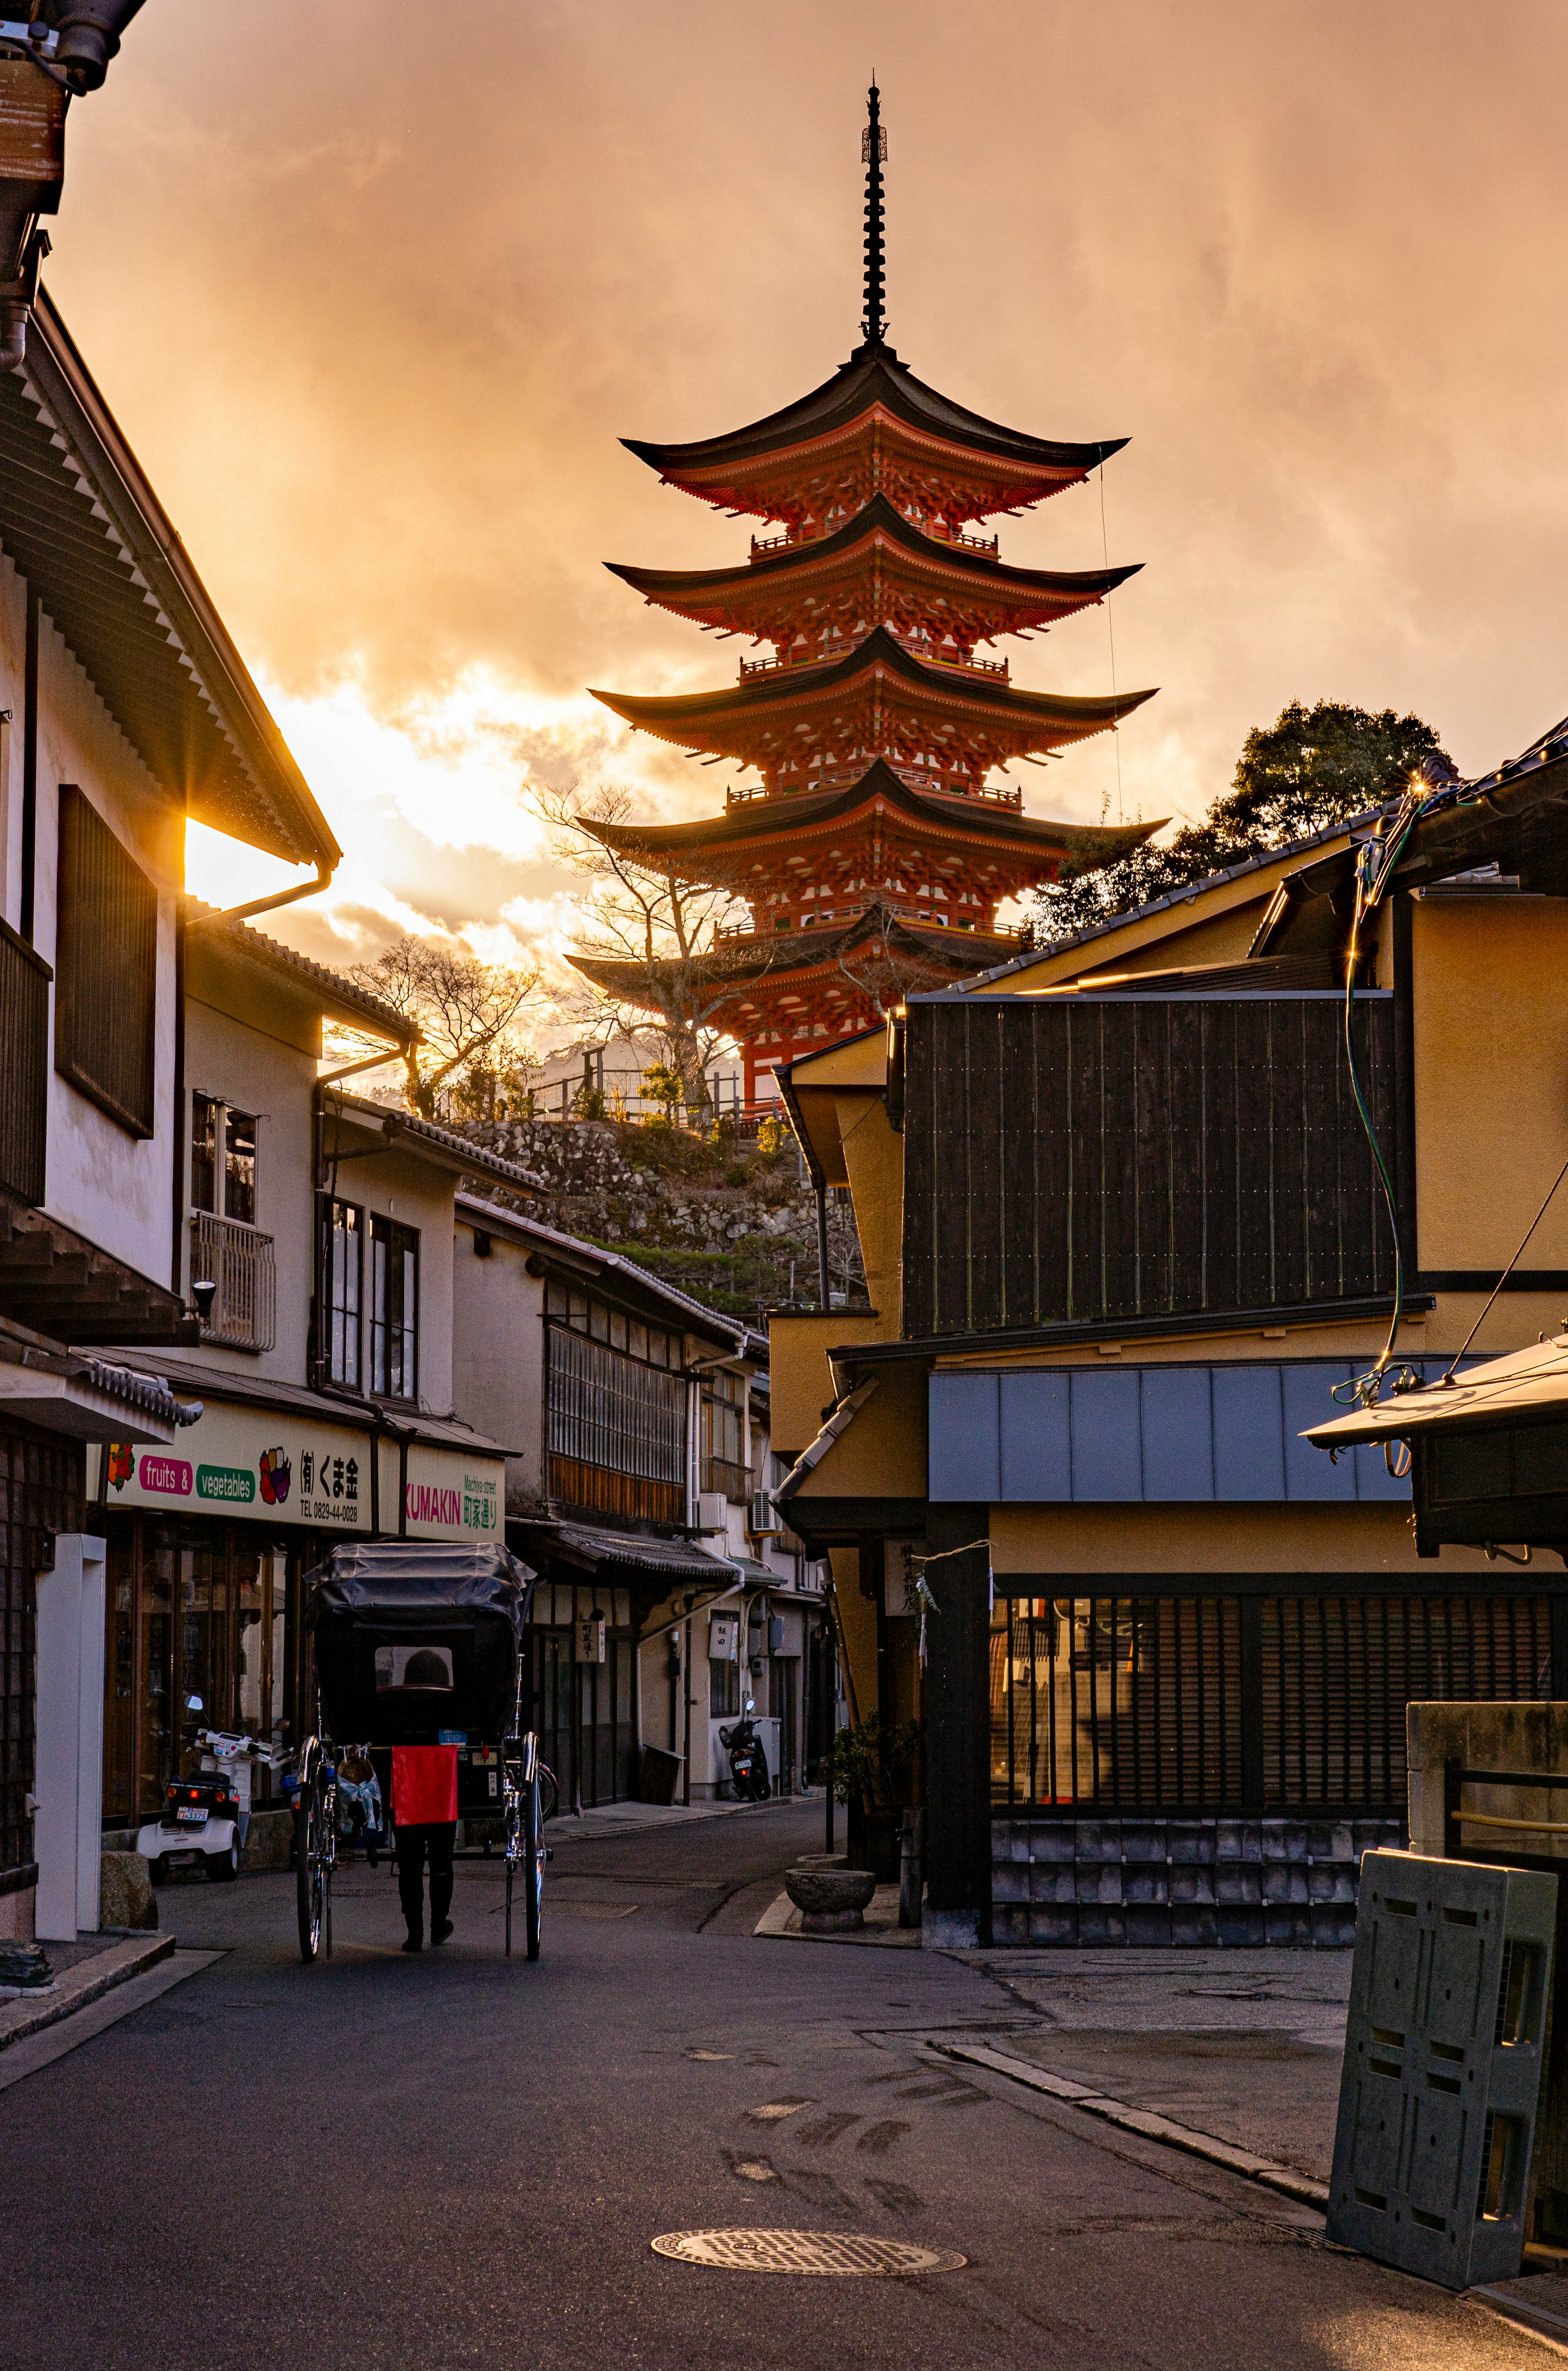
[375,288]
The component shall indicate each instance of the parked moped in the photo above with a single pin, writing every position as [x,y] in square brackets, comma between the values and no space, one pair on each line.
[206,1817]
[747,1761]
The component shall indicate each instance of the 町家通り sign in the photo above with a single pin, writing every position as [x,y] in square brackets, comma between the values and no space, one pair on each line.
[450,1495]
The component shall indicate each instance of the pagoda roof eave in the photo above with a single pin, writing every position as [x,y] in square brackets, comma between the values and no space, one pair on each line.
[666,715]
[872,375]
[796,813]
[977,568]
[796,955]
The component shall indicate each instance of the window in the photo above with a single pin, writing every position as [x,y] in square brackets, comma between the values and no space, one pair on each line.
[724,1435]
[106,967]
[239,1167]
[617,1431]
[724,1689]
[394,1309]
[223,1160]
[602,1323]
[206,1128]
[343,1264]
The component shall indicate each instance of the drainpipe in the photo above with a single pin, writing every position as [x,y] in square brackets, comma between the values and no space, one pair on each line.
[823,1293]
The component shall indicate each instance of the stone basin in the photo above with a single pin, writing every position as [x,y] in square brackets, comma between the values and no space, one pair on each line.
[830,1899]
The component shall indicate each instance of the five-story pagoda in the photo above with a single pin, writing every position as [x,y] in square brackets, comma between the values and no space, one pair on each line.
[872,854]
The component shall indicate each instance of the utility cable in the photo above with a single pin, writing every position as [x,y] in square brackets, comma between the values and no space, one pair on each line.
[1377,860]
[1110,623]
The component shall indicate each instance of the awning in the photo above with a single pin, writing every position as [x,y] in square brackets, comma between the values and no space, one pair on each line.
[1526,1384]
[572,1548]
[86,1398]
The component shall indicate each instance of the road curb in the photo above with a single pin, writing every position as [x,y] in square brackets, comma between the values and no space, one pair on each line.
[1300,2187]
[86,1982]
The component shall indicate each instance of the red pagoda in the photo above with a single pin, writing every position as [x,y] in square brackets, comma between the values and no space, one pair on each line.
[872,854]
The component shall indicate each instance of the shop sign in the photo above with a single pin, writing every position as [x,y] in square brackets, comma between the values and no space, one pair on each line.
[260,1466]
[724,1638]
[450,1494]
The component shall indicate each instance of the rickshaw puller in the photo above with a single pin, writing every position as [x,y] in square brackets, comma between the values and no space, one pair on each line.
[436,1838]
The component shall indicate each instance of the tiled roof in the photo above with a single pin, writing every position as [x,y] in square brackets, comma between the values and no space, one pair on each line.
[347,993]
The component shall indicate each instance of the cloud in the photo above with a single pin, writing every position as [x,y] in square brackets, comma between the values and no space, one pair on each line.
[377,301]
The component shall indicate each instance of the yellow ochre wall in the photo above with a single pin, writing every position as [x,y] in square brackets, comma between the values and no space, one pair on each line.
[800,1381]
[1205,1539]
[874,1157]
[1491,1086]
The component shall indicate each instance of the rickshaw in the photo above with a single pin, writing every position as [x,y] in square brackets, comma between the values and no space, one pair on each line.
[418,1645]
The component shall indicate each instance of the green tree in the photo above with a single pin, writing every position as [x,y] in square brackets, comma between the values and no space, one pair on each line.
[1310,768]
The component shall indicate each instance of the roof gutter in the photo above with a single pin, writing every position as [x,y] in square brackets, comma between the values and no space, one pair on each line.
[209,915]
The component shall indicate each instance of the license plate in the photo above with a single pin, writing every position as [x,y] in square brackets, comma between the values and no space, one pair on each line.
[191,1811]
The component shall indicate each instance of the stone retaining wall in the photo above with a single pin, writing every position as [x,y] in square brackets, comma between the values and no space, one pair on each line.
[1193,1883]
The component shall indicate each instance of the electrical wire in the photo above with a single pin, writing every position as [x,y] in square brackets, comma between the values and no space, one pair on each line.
[1377,860]
[1110,623]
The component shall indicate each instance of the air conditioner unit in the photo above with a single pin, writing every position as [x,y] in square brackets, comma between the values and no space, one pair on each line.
[713,1509]
[766,1522]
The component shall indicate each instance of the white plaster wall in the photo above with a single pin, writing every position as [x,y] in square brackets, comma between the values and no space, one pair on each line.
[111,1187]
[498,1354]
[259,1065]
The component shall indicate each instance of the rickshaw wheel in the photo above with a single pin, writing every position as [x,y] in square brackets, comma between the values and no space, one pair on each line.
[309,1874]
[533,1867]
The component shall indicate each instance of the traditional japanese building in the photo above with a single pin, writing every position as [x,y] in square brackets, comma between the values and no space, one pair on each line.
[872,851]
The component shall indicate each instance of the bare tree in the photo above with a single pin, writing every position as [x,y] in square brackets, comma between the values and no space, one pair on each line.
[473,1054]
[885,970]
[652,941]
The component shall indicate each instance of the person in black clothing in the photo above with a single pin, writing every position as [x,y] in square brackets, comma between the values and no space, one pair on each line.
[413,1843]
[434,1838]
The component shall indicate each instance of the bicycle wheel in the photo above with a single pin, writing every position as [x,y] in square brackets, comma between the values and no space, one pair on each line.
[534,1866]
[513,1850]
[329,1858]
[309,1875]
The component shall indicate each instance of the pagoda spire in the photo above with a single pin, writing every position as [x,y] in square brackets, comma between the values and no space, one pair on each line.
[873,152]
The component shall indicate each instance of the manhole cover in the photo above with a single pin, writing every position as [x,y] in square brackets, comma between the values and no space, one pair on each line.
[806,2251]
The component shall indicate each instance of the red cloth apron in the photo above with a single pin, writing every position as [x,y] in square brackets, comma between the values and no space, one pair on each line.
[424,1785]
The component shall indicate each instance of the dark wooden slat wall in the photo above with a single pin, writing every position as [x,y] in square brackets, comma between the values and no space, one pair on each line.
[1123,1159]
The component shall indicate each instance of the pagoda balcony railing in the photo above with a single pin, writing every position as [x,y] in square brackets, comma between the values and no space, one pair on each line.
[816,656]
[987,544]
[903,910]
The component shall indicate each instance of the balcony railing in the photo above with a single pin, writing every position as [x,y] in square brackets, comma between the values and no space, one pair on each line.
[239,1262]
[24,1066]
[724,1473]
[988,544]
[816,654]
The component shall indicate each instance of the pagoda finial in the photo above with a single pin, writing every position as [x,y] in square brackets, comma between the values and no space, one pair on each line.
[873,151]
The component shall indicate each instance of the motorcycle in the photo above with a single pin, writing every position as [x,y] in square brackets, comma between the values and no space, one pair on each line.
[747,1762]
[206,1817]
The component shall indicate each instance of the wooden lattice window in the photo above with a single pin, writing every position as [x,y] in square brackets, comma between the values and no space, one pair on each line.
[106,967]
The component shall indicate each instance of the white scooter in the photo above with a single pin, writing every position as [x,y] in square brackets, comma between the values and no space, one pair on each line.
[207,1818]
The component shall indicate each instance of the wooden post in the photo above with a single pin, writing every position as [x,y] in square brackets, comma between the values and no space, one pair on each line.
[958,1723]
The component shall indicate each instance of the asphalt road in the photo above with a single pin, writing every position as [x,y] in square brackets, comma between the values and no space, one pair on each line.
[454,2160]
